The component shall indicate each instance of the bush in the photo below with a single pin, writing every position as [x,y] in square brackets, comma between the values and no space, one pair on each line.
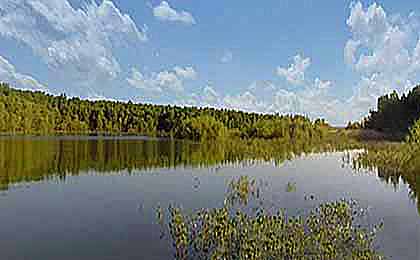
[202,128]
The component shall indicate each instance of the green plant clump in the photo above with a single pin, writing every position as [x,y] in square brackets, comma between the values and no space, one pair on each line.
[328,232]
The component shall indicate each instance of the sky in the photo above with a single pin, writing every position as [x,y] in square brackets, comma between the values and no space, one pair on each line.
[329,59]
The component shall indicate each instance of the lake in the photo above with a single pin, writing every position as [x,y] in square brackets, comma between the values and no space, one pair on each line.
[96,197]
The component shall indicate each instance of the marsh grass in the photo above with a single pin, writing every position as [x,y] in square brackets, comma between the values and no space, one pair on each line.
[397,158]
[232,232]
[393,163]
[402,159]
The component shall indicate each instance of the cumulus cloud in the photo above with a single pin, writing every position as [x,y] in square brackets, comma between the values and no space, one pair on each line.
[139,81]
[246,101]
[295,73]
[314,100]
[163,81]
[9,75]
[384,51]
[322,84]
[187,72]
[350,51]
[207,97]
[76,44]
[165,12]
[169,80]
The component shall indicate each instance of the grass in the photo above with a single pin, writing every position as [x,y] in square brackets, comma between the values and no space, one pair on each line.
[402,158]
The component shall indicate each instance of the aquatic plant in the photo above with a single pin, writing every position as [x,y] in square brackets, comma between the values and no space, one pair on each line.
[394,163]
[229,232]
[291,187]
[396,158]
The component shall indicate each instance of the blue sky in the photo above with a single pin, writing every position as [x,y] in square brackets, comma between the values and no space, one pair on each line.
[328,59]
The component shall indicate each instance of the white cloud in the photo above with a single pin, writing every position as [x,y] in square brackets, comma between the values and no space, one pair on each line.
[295,73]
[321,84]
[76,44]
[165,12]
[210,96]
[350,51]
[187,72]
[227,57]
[169,80]
[266,97]
[207,97]
[138,80]
[166,81]
[369,25]
[8,74]
[244,101]
[383,52]
[313,100]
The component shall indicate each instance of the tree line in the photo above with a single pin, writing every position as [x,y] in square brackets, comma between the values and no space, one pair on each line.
[28,112]
[395,114]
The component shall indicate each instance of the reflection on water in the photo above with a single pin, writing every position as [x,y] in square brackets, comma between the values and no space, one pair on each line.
[106,208]
[412,180]
[54,158]
[36,159]
[388,176]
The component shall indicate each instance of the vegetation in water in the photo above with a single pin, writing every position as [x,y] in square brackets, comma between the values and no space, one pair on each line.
[291,187]
[27,112]
[397,116]
[231,232]
[393,162]
[398,158]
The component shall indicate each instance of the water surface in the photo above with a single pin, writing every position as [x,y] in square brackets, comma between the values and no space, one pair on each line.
[95,198]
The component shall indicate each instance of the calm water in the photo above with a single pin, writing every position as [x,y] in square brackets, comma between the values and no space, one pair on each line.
[95,198]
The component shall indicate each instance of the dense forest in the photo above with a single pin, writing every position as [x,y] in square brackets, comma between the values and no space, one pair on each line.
[395,114]
[28,112]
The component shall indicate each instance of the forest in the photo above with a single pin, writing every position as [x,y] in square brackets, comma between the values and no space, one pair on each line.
[28,112]
[395,114]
